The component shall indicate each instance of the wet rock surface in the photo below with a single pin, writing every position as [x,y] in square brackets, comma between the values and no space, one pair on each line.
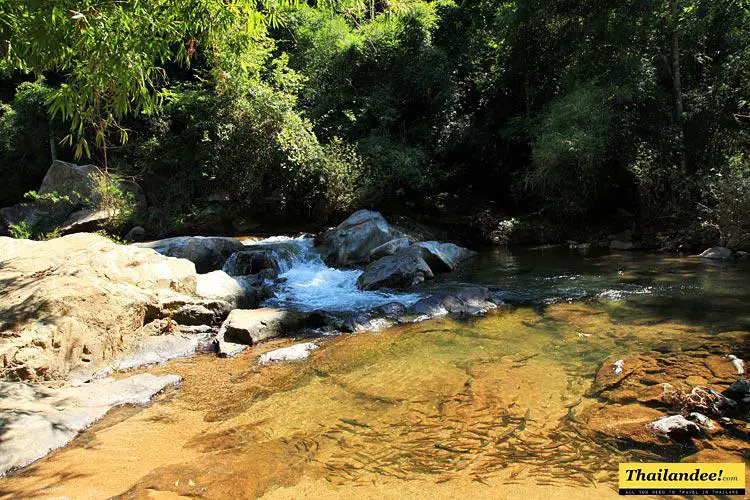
[36,419]
[679,402]
[353,241]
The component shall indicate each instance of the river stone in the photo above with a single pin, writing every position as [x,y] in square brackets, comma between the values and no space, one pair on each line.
[269,259]
[401,270]
[208,253]
[68,179]
[443,256]
[464,301]
[36,419]
[296,352]
[78,300]
[389,248]
[676,427]
[717,253]
[136,234]
[353,241]
[244,327]
[218,285]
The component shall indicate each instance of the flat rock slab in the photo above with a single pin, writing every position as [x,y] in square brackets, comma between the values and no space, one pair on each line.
[36,419]
[244,327]
[296,352]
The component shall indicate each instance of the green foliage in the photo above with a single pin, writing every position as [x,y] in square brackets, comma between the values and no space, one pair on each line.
[25,130]
[728,207]
[113,53]
[570,155]
[22,230]
[110,196]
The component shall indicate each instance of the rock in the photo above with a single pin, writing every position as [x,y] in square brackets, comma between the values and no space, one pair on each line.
[78,300]
[703,421]
[136,234]
[627,422]
[244,327]
[296,352]
[709,402]
[403,269]
[218,285]
[37,420]
[713,456]
[389,248]
[85,221]
[273,258]
[443,256]
[208,253]
[675,427]
[68,179]
[621,245]
[717,253]
[186,310]
[353,241]
[161,348]
[738,391]
[464,301]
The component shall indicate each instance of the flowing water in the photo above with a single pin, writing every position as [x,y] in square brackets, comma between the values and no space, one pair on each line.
[489,407]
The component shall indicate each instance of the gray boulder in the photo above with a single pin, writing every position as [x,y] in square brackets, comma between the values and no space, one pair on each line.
[717,253]
[443,256]
[469,301]
[274,258]
[353,241]
[244,327]
[401,270]
[208,253]
[136,234]
[389,248]
[69,179]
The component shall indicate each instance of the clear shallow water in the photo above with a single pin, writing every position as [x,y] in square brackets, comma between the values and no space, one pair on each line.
[489,407]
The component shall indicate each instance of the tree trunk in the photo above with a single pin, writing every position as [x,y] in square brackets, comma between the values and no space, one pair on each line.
[677,82]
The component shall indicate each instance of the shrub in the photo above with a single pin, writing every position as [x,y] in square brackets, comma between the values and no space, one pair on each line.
[728,205]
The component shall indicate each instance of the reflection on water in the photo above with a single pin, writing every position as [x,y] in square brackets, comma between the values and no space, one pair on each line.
[486,407]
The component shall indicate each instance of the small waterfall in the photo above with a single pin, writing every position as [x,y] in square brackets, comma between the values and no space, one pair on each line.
[309,284]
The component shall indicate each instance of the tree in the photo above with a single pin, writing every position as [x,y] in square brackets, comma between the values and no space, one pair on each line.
[112,54]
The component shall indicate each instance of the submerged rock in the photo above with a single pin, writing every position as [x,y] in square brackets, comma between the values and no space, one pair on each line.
[296,352]
[208,253]
[353,241]
[36,420]
[469,301]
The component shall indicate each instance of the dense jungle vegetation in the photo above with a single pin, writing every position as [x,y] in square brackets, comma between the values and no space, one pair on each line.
[572,111]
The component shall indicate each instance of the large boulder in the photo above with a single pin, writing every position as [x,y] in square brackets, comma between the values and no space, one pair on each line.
[353,241]
[208,253]
[77,302]
[401,270]
[69,179]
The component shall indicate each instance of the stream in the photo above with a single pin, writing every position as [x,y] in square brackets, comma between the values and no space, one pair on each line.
[484,407]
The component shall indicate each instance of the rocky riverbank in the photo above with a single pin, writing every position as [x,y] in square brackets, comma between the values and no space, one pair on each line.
[81,307]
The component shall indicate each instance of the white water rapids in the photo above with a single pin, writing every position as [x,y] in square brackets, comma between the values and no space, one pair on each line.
[309,284]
